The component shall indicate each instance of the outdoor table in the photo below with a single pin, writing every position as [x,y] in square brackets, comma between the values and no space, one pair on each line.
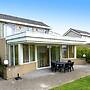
[59,64]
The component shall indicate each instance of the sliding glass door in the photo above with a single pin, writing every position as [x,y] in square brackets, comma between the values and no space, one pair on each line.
[42,56]
[55,53]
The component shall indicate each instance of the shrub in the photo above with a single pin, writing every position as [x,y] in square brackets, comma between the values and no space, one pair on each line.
[83,50]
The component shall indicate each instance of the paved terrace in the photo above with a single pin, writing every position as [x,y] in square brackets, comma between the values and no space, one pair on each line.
[44,79]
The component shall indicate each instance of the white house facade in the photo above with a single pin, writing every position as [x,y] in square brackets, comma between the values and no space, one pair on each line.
[30,45]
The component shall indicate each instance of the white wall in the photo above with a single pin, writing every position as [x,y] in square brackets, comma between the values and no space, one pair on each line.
[73,34]
[9,29]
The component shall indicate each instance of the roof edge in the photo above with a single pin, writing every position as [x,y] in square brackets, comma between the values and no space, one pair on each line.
[71,30]
[22,20]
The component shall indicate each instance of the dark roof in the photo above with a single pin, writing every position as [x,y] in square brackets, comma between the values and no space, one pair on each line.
[13,18]
[80,31]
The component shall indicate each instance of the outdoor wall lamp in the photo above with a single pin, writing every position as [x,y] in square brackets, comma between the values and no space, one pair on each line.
[6,62]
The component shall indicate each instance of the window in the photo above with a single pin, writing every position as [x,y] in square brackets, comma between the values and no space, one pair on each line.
[42,56]
[55,53]
[64,51]
[25,53]
[67,51]
[11,55]
[71,51]
[21,28]
[16,54]
[32,53]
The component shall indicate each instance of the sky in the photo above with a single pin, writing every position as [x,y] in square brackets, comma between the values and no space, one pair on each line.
[60,15]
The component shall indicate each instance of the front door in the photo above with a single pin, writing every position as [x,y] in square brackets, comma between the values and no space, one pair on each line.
[42,56]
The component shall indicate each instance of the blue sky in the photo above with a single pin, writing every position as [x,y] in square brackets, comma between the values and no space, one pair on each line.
[59,14]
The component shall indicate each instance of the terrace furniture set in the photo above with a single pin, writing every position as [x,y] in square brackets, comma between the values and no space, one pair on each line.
[62,66]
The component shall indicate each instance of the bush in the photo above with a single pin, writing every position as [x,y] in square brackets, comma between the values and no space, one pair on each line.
[83,50]
[1,70]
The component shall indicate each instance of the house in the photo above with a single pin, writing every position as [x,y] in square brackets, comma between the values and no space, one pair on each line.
[30,45]
[77,33]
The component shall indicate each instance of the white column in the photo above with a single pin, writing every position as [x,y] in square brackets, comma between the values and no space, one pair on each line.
[68,51]
[9,56]
[50,55]
[20,54]
[75,52]
[14,55]
[36,56]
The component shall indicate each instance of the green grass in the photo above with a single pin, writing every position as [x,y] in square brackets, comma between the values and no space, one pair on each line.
[80,84]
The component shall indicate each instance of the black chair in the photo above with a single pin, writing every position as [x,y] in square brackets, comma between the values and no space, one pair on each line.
[53,66]
[72,68]
[60,67]
[66,67]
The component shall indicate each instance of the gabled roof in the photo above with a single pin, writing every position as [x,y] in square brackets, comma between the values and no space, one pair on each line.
[13,18]
[80,32]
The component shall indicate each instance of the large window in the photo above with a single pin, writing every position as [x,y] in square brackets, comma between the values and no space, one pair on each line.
[67,51]
[32,53]
[55,53]
[42,56]
[71,51]
[14,54]
[25,53]
[64,51]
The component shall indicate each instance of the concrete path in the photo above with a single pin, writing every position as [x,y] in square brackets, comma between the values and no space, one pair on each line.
[44,79]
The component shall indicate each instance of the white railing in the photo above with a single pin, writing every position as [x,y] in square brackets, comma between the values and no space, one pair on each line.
[34,32]
[49,35]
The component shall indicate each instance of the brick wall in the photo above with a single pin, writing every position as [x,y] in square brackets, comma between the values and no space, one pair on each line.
[11,72]
[77,61]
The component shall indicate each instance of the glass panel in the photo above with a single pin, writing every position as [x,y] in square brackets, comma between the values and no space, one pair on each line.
[55,53]
[43,56]
[53,56]
[64,51]
[11,53]
[71,51]
[32,53]
[16,54]
[25,53]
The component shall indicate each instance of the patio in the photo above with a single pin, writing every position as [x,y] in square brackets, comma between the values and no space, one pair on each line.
[44,79]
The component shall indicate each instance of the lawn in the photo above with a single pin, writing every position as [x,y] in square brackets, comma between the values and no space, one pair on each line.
[80,84]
